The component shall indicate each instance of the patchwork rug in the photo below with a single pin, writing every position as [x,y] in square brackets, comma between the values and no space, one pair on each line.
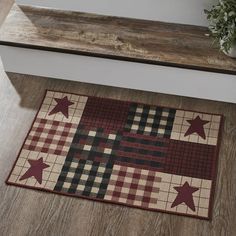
[145,156]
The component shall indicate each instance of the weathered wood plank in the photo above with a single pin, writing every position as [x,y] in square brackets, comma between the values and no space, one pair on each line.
[113,37]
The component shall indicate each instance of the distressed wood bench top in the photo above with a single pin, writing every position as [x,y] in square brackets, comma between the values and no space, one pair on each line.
[135,40]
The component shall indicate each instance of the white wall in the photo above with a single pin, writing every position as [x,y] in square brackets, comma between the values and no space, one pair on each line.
[179,11]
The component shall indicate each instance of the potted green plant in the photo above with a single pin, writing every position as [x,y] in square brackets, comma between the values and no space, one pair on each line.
[222,24]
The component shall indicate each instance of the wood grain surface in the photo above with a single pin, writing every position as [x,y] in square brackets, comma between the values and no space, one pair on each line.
[27,212]
[113,37]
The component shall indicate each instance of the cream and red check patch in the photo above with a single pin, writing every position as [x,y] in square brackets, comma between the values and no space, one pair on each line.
[139,155]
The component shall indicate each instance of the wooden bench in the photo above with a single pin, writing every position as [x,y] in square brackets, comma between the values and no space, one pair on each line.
[67,45]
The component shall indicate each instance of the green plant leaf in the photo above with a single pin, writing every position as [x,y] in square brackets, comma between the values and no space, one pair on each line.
[222,23]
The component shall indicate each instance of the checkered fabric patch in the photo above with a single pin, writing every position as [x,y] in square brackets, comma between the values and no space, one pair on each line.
[84,177]
[133,186]
[94,144]
[145,156]
[53,137]
[150,120]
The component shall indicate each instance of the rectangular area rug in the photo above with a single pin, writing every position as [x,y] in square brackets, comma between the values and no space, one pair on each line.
[145,156]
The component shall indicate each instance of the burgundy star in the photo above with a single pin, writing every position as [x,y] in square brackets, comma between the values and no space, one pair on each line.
[62,106]
[196,126]
[36,170]
[185,194]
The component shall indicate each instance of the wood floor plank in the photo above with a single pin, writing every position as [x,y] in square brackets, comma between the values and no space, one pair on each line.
[5,6]
[113,37]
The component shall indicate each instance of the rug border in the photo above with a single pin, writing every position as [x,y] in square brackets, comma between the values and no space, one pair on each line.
[214,171]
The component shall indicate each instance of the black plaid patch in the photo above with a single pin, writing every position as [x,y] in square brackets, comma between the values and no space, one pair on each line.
[150,120]
[94,145]
[84,177]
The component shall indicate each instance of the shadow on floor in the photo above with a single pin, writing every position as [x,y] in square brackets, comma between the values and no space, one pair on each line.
[31,89]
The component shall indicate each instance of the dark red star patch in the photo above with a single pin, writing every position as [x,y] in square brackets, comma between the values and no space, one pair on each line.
[62,106]
[197,126]
[185,194]
[36,170]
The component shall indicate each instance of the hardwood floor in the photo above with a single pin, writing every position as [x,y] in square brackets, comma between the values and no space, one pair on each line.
[5,6]
[27,212]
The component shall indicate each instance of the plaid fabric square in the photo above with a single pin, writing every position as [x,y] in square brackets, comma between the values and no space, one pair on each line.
[211,129]
[141,151]
[107,114]
[53,137]
[75,111]
[94,144]
[133,186]
[150,120]
[84,177]
[189,159]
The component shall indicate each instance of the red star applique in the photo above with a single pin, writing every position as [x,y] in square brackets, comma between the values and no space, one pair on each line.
[36,170]
[185,194]
[62,106]
[197,126]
